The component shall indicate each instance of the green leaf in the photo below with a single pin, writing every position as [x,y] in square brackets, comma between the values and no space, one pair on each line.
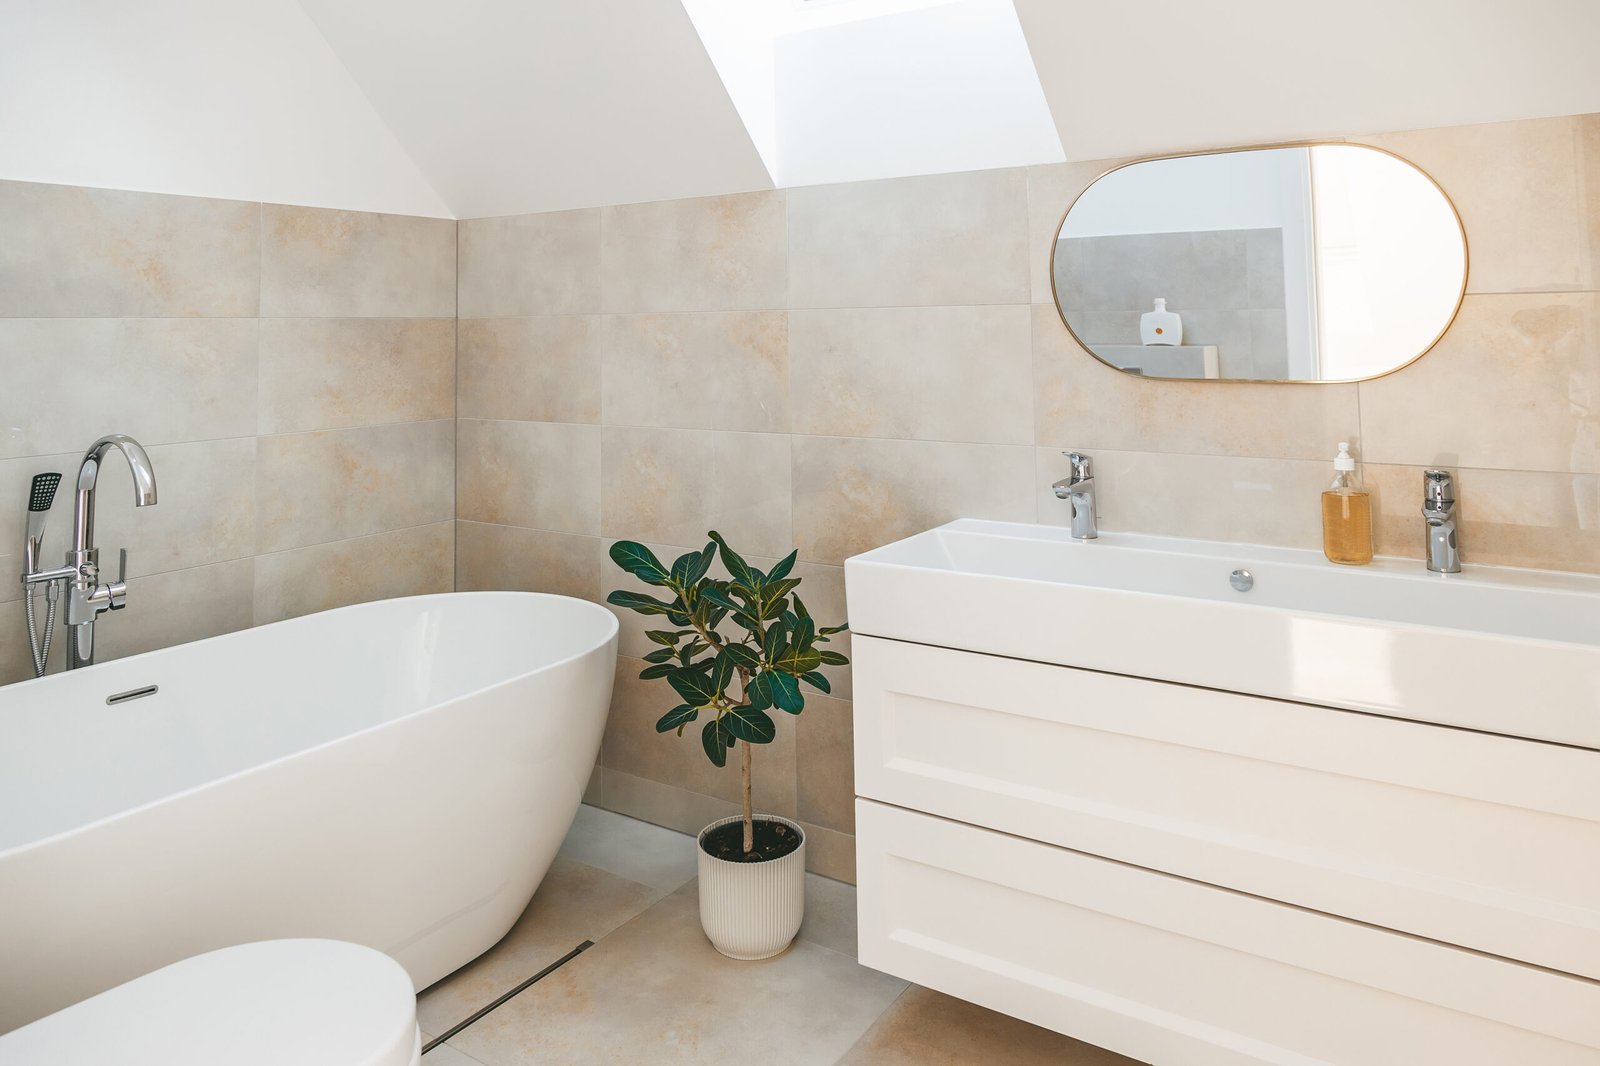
[716,595]
[741,571]
[833,658]
[728,596]
[716,740]
[759,692]
[829,631]
[800,609]
[687,653]
[650,673]
[676,718]
[661,655]
[774,688]
[694,685]
[796,660]
[773,646]
[786,692]
[665,636]
[742,655]
[689,569]
[772,595]
[817,681]
[804,634]
[722,670]
[637,601]
[786,564]
[639,561]
[749,724]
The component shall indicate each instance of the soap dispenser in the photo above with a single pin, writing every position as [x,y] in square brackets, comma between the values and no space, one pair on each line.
[1160,326]
[1346,514]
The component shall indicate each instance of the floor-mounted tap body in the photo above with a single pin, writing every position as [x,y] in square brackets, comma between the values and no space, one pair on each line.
[87,596]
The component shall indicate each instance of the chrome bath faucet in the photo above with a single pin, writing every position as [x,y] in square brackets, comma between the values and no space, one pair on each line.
[87,597]
[1439,522]
[1077,488]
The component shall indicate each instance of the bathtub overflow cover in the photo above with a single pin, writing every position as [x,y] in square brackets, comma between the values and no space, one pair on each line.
[1242,580]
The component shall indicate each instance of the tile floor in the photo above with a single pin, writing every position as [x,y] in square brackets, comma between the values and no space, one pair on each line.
[653,990]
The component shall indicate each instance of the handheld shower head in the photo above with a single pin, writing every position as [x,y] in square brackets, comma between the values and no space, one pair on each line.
[41,495]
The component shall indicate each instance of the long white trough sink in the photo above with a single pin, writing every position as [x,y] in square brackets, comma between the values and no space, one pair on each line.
[1508,651]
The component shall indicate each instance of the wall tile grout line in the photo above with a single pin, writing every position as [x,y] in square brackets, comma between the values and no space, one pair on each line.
[1038,443]
[253,555]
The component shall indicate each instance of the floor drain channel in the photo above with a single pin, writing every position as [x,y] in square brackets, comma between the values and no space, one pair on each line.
[481,1012]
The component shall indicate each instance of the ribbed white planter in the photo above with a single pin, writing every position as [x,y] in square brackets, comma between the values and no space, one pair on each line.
[752,910]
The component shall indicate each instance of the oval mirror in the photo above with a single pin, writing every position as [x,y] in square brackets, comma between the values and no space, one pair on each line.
[1324,262]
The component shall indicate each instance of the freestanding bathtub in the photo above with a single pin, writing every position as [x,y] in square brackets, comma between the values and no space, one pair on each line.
[398,774]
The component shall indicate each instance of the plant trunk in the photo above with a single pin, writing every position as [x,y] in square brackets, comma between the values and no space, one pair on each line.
[749,818]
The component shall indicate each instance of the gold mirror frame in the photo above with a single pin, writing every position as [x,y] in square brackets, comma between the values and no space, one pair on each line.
[1466,262]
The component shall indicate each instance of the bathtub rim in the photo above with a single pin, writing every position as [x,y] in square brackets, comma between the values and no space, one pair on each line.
[609,638]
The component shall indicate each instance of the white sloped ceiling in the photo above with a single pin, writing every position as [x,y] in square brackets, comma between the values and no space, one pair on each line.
[470,108]
[1139,77]
[242,100]
[512,106]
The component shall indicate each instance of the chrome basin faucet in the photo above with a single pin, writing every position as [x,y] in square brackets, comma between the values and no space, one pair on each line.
[1439,518]
[86,596]
[1077,488]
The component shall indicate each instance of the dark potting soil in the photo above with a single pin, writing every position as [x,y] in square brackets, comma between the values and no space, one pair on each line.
[773,840]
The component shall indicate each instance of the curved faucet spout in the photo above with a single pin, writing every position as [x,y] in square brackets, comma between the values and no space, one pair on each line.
[144,483]
[144,474]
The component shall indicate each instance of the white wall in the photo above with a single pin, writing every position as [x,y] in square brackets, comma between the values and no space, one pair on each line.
[242,99]
[1139,77]
[514,106]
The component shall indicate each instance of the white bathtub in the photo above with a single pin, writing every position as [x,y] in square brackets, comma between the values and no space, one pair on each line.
[398,774]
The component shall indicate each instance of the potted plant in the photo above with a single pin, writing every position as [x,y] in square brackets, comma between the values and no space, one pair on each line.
[737,649]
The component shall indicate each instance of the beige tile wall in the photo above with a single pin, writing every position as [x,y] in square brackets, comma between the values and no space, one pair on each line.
[291,372]
[835,367]
[828,368]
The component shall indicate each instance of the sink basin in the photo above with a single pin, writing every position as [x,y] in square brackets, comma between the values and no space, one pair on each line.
[1508,651]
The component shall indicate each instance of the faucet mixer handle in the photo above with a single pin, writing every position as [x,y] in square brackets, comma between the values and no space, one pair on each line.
[1438,493]
[118,590]
[1082,466]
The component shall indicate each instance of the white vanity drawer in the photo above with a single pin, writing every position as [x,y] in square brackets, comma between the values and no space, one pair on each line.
[1484,841]
[1174,972]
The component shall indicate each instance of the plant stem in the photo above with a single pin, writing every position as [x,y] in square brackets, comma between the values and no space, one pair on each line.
[749,818]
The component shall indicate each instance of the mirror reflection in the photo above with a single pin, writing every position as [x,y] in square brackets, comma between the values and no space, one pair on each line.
[1328,262]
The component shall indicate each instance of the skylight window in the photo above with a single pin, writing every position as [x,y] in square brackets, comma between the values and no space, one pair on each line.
[848,90]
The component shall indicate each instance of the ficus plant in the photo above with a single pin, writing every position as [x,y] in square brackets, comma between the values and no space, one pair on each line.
[738,647]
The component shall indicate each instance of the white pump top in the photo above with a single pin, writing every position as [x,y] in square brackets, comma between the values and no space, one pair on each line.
[1161,303]
[1343,461]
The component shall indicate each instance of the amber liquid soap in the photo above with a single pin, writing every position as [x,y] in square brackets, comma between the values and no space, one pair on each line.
[1346,514]
[1347,527]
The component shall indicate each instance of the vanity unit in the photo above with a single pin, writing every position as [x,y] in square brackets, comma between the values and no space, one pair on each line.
[1204,803]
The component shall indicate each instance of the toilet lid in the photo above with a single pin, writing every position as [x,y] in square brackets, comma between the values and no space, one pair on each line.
[308,1002]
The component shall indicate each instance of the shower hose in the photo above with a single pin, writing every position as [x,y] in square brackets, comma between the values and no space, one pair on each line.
[41,647]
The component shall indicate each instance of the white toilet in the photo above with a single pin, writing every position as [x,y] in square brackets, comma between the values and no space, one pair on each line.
[307,1002]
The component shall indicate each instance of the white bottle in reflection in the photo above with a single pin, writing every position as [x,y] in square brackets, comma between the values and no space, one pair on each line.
[1160,326]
